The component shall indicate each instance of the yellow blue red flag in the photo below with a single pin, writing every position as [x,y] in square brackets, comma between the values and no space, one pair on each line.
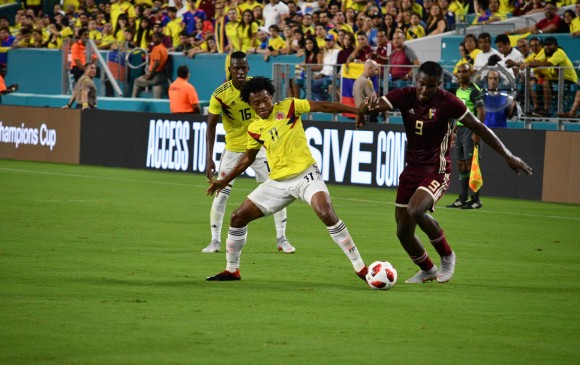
[475,178]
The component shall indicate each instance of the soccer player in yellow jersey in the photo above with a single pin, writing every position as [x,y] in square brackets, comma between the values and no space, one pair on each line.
[293,172]
[236,116]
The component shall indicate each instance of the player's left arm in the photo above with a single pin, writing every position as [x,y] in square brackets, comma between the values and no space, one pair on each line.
[492,140]
[243,163]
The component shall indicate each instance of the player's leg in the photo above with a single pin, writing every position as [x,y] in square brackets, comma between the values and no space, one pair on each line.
[218,206]
[314,191]
[260,167]
[422,201]
[412,245]
[237,236]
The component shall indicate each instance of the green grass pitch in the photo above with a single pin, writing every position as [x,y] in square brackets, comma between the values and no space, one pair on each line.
[104,266]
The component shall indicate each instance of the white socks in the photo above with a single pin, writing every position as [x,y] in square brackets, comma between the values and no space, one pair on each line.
[340,235]
[280,219]
[216,215]
[234,244]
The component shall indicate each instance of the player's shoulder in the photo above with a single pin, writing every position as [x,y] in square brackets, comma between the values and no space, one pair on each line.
[223,88]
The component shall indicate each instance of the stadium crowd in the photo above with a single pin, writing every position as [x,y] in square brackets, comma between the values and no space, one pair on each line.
[323,31]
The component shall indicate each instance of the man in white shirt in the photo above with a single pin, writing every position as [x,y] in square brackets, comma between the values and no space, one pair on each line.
[322,80]
[502,42]
[275,13]
[484,43]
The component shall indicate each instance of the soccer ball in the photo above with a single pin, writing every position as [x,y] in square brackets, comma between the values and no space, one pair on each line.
[381,275]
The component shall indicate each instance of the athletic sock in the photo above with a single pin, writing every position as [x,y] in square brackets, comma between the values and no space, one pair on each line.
[280,219]
[423,261]
[234,244]
[441,245]
[464,185]
[216,215]
[340,235]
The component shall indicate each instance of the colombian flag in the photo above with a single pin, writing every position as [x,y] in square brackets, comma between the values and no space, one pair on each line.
[475,179]
[350,73]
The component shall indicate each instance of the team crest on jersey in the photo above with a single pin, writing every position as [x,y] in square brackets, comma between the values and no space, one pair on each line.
[432,113]
[279,116]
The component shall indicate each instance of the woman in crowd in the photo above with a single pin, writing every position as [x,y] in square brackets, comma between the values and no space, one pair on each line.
[234,42]
[436,23]
[247,30]
[312,56]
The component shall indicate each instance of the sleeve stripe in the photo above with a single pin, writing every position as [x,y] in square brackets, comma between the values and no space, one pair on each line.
[387,101]
[463,116]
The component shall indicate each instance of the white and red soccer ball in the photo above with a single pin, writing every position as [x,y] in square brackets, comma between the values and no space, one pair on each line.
[381,275]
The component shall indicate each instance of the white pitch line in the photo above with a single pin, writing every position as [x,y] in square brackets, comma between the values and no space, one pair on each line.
[371,202]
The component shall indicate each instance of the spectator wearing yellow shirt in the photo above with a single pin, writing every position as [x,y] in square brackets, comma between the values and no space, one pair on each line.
[572,21]
[247,31]
[121,7]
[108,38]
[415,30]
[234,43]
[249,5]
[173,28]
[276,44]
[470,51]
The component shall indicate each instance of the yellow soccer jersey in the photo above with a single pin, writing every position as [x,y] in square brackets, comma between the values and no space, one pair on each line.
[282,134]
[236,115]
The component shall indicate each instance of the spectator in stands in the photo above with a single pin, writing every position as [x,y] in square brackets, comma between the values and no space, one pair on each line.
[3,88]
[449,15]
[247,30]
[415,29]
[575,25]
[121,7]
[182,95]
[6,40]
[191,15]
[470,51]
[552,23]
[314,58]
[436,23]
[276,44]
[401,56]
[119,27]
[298,43]
[363,86]
[85,92]
[275,12]
[262,47]
[321,80]
[234,43]
[173,27]
[389,25]
[508,53]
[568,17]
[143,35]
[23,38]
[156,76]
[108,38]
[555,57]
[320,33]
[258,15]
[484,44]
[349,42]
[219,27]
[499,107]
[529,7]
[574,110]
[362,51]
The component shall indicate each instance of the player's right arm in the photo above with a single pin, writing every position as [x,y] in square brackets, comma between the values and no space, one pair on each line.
[492,140]
[212,121]
[372,104]
[243,163]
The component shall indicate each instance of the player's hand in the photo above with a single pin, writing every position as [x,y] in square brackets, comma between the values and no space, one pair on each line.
[453,138]
[210,171]
[372,102]
[518,165]
[475,138]
[360,120]
[216,186]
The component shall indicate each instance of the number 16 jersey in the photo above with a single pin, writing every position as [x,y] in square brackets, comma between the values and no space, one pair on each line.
[236,115]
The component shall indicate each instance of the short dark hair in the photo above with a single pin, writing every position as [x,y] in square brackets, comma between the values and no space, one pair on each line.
[431,68]
[502,38]
[484,35]
[493,60]
[182,71]
[254,85]
[551,40]
[238,55]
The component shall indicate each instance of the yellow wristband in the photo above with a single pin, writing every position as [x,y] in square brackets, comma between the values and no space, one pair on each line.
[85,105]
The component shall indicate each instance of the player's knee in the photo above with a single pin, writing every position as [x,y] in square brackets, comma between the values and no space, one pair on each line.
[328,217]
[237,219]
[415,212]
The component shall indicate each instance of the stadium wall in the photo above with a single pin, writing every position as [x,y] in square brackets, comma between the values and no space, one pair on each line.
[371,157]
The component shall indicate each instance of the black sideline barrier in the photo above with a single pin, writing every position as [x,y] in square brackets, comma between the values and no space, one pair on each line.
[373,156]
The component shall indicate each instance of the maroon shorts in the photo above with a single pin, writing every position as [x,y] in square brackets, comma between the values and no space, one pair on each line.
[412,179]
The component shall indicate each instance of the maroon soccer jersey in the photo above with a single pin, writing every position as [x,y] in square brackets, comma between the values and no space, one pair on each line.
[428,127]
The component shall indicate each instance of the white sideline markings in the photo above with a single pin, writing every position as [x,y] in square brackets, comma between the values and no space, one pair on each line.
[371,202]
